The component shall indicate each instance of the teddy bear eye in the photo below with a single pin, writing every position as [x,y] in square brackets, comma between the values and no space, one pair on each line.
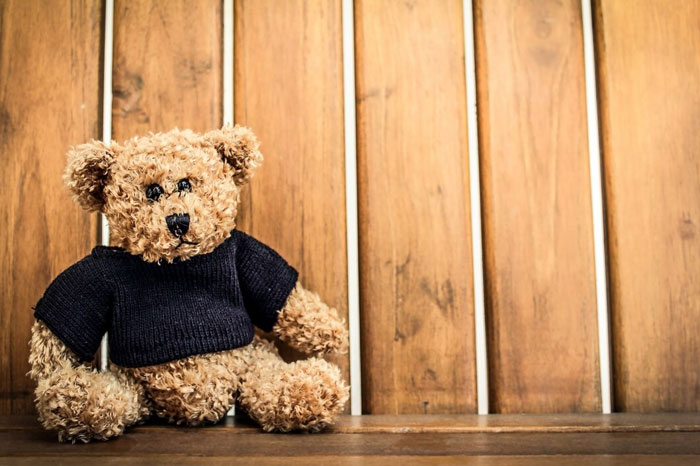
[184,185]
[154,191]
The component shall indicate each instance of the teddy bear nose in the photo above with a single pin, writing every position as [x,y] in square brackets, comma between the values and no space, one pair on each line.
[178,224]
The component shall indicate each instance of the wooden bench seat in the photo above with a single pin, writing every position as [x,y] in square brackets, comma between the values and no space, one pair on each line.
[590,439]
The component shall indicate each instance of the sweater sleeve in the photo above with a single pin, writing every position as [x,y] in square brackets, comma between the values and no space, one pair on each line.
[265,278]
[76,307]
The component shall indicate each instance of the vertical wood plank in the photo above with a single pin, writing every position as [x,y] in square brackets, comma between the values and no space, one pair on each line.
[289,90]
[167,66]
[49,100]
[649,70]
[415,250]
[538,239]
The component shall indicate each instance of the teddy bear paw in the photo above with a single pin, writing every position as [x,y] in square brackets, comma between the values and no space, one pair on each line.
[303,396]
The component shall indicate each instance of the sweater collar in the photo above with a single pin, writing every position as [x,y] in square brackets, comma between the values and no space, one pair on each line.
[115,251]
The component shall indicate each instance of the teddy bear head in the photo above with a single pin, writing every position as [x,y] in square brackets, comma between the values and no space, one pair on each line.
[168,195]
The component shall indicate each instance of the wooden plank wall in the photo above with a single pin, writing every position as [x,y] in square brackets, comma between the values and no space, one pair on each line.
[537,223]
[650,100]
[289,89]
[415,248]
[416,292]
[171,75]
[50,92]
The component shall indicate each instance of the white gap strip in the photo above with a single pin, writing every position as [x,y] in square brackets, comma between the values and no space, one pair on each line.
[228,62]
[227,86]
[351,205]
[482,376]
[597,205]
[106,133]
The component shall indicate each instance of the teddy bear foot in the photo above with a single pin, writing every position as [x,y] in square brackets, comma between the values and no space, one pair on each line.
[301,396]
[84,405]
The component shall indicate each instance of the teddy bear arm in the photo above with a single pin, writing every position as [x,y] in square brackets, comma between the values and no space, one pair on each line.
[75,400]
[309,325]
[47,353]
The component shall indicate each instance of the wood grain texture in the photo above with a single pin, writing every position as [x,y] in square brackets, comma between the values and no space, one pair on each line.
[289,90]
[170,443]
[167,66]
[454,423]
[501,423]
[538,239]
[413,188]
[49,100]
[376,460]
[649,70]
[618,439]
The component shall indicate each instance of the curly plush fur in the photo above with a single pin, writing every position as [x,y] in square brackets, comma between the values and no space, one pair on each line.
[309,325]
[82,404]
[77,401]
[304,395]
[114,179]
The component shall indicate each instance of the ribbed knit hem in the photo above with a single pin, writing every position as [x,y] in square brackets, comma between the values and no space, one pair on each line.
[180,343]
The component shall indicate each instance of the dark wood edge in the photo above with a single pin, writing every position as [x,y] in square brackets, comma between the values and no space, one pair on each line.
[406,424]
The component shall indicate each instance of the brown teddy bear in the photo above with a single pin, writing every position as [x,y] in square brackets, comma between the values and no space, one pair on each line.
[179,295]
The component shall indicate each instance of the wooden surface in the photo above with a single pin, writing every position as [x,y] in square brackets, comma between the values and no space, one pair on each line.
[378,460]
[457,423]
[49,100]
[538,240]
[649,74]
[643,440]
[415,246]
[513,423]
[289,90]
[167,66]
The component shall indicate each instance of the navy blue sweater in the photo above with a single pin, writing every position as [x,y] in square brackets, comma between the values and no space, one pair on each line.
[156,313]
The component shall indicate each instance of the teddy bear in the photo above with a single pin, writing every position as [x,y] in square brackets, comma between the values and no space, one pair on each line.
[179,294]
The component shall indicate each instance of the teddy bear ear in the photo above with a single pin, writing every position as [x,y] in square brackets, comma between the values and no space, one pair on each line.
[87,171]
[237,146]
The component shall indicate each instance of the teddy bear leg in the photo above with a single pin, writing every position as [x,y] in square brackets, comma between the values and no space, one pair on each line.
[82,404]
[302,396]
[75,400]
[196,390]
